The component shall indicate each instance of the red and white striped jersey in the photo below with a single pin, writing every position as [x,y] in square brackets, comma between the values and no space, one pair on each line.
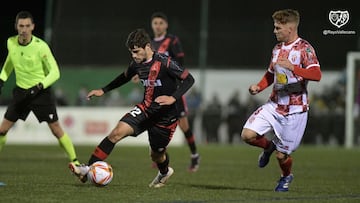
[301,54]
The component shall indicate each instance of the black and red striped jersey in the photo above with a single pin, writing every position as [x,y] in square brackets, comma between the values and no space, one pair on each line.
[158,77]
[169,45]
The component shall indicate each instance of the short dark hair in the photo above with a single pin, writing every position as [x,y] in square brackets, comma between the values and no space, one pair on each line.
[139,38]
[22,15]
[159,15]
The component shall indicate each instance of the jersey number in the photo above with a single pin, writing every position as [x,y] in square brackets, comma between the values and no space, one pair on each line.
[136,111]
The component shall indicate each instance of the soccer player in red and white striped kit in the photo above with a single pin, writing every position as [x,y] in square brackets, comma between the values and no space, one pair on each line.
[293,64]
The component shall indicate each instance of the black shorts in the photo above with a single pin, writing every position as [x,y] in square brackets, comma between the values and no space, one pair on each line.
[160,127]
[43,105]
[181,107]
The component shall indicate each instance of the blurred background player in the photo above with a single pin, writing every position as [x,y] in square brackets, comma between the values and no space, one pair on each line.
[36,70]
[293,64]
[169,44]
[212,118]
[235,114]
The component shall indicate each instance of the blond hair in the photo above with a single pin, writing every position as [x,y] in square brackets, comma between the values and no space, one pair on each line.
[286,16]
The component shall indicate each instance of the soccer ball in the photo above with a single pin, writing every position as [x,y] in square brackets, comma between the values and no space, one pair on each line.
[100,173]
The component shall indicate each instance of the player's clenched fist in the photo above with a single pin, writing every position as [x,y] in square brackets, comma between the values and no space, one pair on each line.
[254,89]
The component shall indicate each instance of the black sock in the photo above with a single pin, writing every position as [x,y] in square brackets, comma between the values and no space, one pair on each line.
[163,167]
[102,151]
[190,138]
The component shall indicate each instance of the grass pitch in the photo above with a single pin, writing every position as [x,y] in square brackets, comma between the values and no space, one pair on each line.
[226,174]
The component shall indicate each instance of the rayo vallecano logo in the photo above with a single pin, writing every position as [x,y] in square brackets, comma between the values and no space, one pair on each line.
[339,18]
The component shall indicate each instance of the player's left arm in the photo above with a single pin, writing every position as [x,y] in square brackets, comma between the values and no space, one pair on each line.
[51,67]
[177,50]
[309,73]
[184,85]
[308,69]
[185,77]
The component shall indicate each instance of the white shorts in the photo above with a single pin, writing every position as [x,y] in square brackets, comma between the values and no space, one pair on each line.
[288,130]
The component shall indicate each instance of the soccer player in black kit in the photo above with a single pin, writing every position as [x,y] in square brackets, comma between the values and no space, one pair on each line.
[169,44]
[156,114]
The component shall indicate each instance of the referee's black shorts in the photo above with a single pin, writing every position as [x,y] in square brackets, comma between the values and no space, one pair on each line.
[43,105]
[160,127]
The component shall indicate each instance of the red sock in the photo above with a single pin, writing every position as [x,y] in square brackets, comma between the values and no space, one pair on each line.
[286,166]
[260,141]
[98,152]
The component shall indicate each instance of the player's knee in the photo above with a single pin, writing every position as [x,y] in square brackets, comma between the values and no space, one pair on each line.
[116,135]
[56,129]
[153,157]
[157,157]
[281,156]
[247,135]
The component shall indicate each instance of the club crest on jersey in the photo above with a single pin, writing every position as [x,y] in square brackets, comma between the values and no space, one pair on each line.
[151,83]
[339,18]
[294,57]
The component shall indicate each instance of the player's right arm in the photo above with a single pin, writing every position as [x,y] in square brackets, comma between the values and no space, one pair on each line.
[117,82]
[98,93]
[122,79]
[254,89]
[265,82]
[176,48]
[6,69]
[8,66]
